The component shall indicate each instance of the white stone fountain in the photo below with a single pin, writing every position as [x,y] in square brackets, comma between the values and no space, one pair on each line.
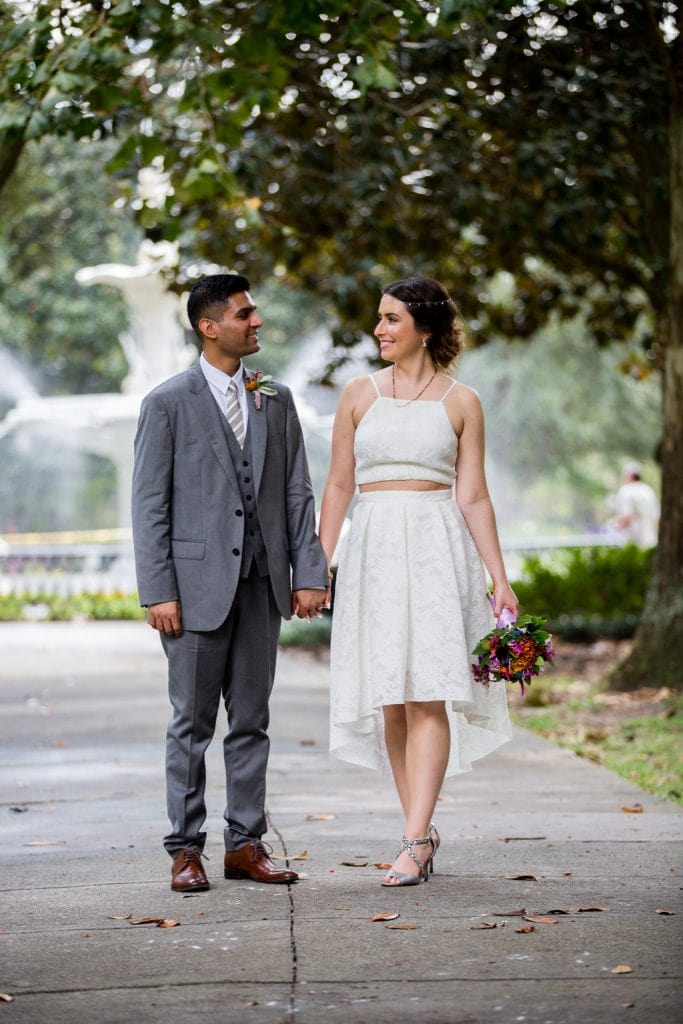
[155,348]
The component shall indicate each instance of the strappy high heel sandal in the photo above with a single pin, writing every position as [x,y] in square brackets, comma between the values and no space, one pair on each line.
[434,836]
[423,874]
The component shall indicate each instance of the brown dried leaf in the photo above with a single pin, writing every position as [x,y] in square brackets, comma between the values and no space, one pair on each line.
[541,920]
[520,912]
[279,856]
[383,865]
[354,863]
[663,910]
[589,910]
[320,817]
[122,917]
[627,1006]
[521,878]
[402,927]
[389,916]
[622,969]
[160,922]
[5,997]
[525,929]
[486,925]
[308,743]
[636,809]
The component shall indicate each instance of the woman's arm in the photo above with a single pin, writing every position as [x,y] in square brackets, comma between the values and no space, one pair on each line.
[341,484]
[473,498]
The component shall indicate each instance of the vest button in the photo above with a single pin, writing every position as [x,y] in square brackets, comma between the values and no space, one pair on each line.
[239,512]
[247,479]
[235,551]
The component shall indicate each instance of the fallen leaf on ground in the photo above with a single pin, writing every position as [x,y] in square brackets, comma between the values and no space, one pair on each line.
[525,929]
[308,743]
[160,922]
[402,927]
[622,969]
[566,874]
[385,917]
[521,878]
[320,817]
[280,856]
[47,842]
[354,863]
[663,910]
[636,809]
[541,920]
[589,910]
[486,925]
[122,917]
[6,998]
[383,865]
[627,1006]
[19,810]
[520,912]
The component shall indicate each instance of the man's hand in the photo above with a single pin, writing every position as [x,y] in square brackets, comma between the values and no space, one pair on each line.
[165,617]
[307,603]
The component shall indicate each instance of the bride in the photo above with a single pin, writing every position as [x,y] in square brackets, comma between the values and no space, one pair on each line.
[410,600]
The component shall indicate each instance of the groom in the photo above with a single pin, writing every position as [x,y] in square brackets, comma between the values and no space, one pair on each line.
[225,546]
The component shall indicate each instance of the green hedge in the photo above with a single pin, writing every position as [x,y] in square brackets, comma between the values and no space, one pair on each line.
[584,593]
[587,592]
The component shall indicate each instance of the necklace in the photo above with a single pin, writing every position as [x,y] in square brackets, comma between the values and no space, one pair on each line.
[420,392]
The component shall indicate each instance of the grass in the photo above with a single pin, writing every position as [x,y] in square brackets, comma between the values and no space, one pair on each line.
[637,735]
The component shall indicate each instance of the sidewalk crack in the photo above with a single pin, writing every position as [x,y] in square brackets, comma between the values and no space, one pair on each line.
[294,977]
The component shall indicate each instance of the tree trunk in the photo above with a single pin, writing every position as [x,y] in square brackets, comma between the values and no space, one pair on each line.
[656,658]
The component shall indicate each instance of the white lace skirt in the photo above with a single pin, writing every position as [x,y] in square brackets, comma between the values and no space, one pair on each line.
[410,606]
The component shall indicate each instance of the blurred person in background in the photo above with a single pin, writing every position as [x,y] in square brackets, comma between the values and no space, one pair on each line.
[637,508]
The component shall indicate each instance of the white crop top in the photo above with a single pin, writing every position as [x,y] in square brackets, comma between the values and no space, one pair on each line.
[397,440]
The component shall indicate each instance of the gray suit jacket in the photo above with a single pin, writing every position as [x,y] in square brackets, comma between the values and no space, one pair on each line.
[187,534]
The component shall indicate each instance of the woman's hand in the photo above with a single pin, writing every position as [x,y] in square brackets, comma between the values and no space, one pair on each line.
[504,597]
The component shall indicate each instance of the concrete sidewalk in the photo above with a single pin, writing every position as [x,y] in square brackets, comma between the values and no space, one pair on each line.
[83,710]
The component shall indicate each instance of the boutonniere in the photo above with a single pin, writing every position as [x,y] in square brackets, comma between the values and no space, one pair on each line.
[260,383]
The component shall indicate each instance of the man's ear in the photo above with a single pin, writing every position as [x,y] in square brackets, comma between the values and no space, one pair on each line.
[207,327]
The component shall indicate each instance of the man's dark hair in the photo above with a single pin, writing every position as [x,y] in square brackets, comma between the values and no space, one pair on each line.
[209,296]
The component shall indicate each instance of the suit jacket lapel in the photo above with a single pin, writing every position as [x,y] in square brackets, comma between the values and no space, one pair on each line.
[209,415]
[258,429]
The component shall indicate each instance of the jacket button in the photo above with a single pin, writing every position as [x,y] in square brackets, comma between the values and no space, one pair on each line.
[235,551]
[239,512]
[247,479]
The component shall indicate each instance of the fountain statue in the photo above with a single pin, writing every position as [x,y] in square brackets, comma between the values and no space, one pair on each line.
[155,348]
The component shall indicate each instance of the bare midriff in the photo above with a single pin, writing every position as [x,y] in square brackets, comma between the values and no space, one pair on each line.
[404,485]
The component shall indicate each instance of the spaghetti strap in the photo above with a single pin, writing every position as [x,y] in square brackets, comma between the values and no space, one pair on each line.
[448,391]
[371,377]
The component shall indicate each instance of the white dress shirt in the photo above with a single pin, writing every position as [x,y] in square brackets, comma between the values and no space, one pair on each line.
[219,383]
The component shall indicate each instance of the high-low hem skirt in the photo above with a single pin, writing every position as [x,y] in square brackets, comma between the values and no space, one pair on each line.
[410,606]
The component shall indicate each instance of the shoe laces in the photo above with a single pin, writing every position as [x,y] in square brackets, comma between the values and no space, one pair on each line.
[259,849]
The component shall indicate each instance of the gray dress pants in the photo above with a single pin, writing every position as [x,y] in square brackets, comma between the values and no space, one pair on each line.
[235,662]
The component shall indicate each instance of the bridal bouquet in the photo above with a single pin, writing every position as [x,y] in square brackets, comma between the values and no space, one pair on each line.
[516,651]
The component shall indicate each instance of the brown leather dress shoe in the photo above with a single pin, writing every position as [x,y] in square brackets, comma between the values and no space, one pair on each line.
[187,873]
[252,861]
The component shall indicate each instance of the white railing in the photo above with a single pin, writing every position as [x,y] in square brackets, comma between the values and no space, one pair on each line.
[101,561]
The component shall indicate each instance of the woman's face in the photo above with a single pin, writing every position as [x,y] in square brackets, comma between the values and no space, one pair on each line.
[396,331]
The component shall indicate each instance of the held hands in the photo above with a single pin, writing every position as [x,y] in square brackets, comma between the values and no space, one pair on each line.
[504,597]
[165,617]
[307,603]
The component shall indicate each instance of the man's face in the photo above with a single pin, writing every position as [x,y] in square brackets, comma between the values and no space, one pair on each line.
[235,334]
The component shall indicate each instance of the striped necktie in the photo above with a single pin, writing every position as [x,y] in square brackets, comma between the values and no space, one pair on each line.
[234,411]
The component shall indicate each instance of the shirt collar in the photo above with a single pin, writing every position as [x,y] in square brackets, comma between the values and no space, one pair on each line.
[219,379]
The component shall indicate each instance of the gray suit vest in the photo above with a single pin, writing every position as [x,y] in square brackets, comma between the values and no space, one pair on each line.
[253,549]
